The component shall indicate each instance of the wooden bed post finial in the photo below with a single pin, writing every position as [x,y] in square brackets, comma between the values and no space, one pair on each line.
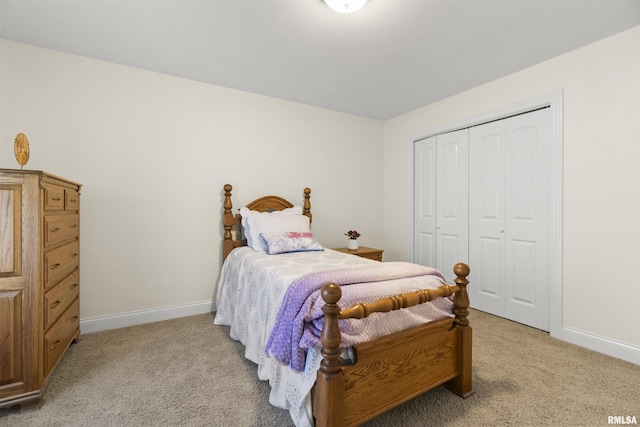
[306,208]
[227,198]
[461,300]
[227,222]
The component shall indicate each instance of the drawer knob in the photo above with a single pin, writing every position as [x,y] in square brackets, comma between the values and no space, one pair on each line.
[74,286]
[56,265]
[54,345]
[74,255]
[74,225]
[54,305]
[73,200]
[54,230]
[74,319]
[56,199]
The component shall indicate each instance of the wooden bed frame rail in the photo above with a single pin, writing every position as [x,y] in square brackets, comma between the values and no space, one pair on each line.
[397,369]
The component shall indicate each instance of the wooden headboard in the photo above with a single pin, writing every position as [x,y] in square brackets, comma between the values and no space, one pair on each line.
[263,204]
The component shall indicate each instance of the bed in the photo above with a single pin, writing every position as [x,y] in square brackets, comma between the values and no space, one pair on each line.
[340,381]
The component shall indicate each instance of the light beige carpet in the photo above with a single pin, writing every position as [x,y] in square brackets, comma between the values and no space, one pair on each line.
[188,372]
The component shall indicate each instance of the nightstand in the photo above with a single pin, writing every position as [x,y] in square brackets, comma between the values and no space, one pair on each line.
[363,251]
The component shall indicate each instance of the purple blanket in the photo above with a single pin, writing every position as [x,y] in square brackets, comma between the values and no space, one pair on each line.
[299,310]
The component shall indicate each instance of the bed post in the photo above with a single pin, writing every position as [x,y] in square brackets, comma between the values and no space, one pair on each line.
[227,221]
[306,208]
[329,389]
[462,384]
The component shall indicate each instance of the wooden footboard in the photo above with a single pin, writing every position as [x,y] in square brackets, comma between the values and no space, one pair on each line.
[394,368]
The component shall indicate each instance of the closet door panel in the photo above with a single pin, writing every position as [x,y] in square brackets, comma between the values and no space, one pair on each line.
[509,217]
[426,242]
[522,164]
[448,254]
[486,216]
[452,201]
[449,180]
[523,290]
[489,172]
[425,202]
[528,218]
[488,279]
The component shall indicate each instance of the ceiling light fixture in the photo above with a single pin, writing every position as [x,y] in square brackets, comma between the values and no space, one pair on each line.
[345,6]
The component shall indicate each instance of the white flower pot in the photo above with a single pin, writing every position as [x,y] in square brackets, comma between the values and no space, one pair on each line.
[352,244]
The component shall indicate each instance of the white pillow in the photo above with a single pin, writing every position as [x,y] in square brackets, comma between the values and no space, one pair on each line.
[253,239]
[259,224]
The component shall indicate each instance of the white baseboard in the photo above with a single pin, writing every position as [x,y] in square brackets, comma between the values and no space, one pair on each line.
[603,345]
[133,318]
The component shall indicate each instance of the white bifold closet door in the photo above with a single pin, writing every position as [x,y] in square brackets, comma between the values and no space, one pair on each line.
[509,217]
[441,201]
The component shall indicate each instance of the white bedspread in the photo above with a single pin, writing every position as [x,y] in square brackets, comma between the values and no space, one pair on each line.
[250,290]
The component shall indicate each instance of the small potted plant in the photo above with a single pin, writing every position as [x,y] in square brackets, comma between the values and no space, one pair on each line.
[352,243]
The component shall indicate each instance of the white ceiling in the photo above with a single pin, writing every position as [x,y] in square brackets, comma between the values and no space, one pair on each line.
[391,57]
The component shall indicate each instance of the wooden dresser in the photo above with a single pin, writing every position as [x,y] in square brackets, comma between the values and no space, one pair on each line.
[365,252]
[39,280]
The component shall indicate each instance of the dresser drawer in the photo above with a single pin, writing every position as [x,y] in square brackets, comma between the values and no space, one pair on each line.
[53,198]
[59,262]
[58,228]
[60,297]
[71,200]
[60,336]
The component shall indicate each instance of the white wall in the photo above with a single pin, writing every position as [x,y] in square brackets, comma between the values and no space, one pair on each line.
[154,152]
[601,193]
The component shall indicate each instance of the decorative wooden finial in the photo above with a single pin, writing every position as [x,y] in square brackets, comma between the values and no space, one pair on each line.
[461,299]
[227,198]
[306,209]
[227,220]
[331,293]
[461,270]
